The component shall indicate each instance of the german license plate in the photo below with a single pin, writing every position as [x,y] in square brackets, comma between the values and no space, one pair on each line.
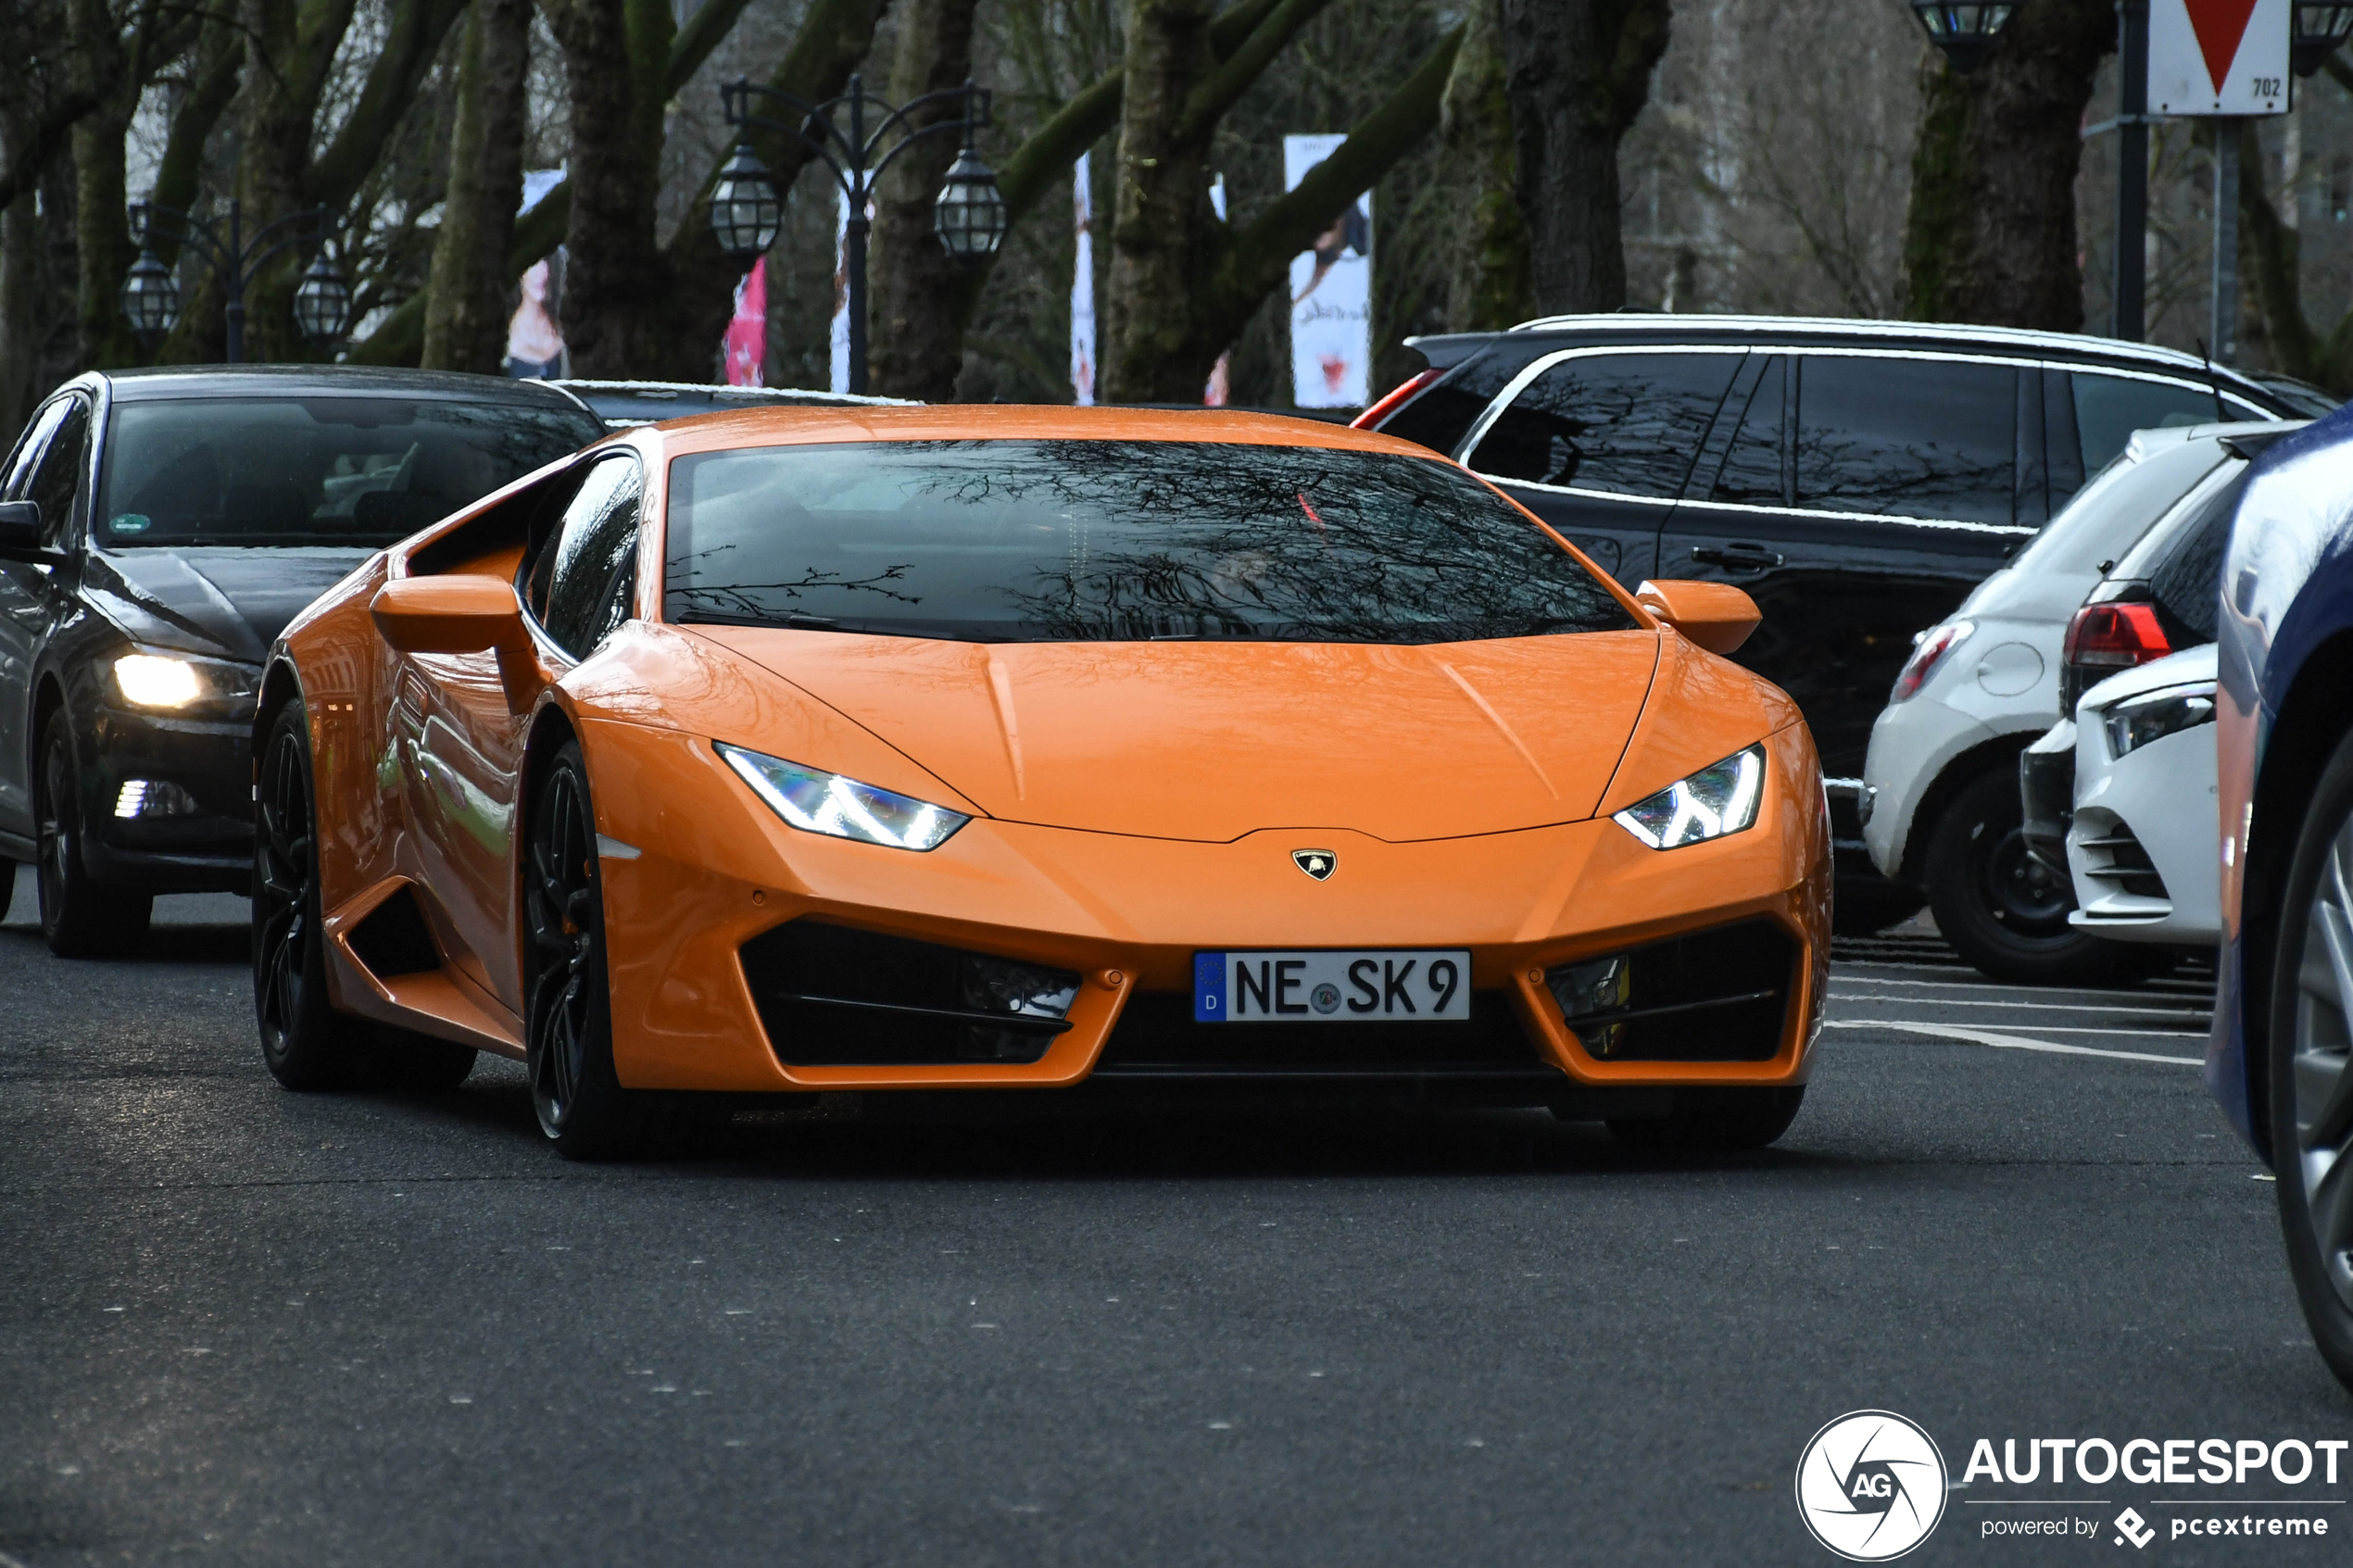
[1383,986]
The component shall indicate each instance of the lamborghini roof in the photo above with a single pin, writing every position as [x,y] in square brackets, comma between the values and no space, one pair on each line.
[785,427]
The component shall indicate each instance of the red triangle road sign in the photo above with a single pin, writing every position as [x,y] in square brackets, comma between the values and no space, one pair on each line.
[2219,25]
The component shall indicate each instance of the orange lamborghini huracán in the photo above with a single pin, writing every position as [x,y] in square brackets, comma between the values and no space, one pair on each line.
[801,749]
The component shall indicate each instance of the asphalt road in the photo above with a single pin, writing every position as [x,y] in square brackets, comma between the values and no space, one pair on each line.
[244,1326]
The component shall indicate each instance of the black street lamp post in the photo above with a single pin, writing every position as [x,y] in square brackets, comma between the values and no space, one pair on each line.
[747,211]
[151,295]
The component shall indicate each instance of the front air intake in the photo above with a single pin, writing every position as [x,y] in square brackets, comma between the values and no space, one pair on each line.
[1715,995]
[832,996]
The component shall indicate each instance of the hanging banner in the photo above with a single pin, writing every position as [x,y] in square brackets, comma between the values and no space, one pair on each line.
[1082,287]
[841,292]
[2217,56]
[1220,387]
[1332,294]
[743,351]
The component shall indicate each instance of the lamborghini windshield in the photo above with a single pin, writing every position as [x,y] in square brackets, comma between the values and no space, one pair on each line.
[1073,541]
[315,470]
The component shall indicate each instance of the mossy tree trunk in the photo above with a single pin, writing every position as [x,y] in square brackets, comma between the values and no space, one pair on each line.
[1490,284]
[1577,72]
[615,55]
[914,282]
[1989,234]
[1182,283]
[466,313]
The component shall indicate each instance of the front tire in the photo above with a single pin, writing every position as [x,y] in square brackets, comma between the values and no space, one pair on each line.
[80,917]
[304,1043]
[2309,1055]
[568,1019]
[1716,1120]
[2001,908]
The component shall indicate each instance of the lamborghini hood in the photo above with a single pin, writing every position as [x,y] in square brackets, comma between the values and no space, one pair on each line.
[1210,741]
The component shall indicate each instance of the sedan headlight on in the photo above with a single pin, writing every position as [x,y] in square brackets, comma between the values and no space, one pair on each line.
[170,682]
[1720,799]
[153,681]
[2137,721]
[815,801]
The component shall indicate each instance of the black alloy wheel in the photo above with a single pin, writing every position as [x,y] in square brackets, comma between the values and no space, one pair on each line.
[1715,1120]
[2003,911]
[2311,1062]
[568,1017]
[305,1042]
[80,917]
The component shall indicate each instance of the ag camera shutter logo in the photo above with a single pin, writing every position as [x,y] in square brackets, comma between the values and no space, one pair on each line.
[1870,1485]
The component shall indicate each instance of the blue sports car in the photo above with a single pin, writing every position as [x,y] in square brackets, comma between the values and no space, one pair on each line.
[2282,1056]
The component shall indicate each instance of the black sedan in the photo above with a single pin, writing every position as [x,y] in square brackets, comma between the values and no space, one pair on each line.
[157,529]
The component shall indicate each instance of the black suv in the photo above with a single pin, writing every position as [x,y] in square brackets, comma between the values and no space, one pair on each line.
[1856,478]
[157,529]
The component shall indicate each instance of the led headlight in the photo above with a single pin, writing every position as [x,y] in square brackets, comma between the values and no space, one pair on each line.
[2137,721]
[148,680]
[841,808]
[1719,800]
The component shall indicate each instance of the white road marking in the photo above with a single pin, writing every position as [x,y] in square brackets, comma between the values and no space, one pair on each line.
[1982,984]
[2008,1042]
[2039,1007]
[2066,1029]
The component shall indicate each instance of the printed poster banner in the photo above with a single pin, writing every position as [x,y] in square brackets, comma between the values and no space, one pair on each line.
[840,333]
[1332,294]
[2217,56]
[744,349]
[1082,288]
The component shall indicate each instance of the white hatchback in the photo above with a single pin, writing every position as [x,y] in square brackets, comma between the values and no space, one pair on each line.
[1941,799]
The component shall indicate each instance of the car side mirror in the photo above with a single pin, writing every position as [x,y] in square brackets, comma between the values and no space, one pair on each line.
[20,528]
[459,613]
[1716,616]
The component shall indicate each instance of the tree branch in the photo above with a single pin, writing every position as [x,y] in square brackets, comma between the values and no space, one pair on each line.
[418,28]
[1092,113]
[45,140]
[1374,144]
[703,32]
[221,55]
[1244,65]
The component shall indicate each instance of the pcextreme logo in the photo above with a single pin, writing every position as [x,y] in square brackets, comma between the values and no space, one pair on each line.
[1870,1485]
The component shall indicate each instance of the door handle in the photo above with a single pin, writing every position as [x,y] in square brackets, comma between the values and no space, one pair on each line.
[1737,558]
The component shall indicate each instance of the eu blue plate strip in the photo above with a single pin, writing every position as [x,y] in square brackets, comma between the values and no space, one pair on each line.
[1209,987]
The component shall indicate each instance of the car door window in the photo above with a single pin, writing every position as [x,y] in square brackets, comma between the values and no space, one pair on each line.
[27,457]
[1897,437]
[577,587]
[1755,471]
[58,482]
[2109,408]
[1623,425]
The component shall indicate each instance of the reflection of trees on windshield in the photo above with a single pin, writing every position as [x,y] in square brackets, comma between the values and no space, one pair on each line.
[1092,540]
